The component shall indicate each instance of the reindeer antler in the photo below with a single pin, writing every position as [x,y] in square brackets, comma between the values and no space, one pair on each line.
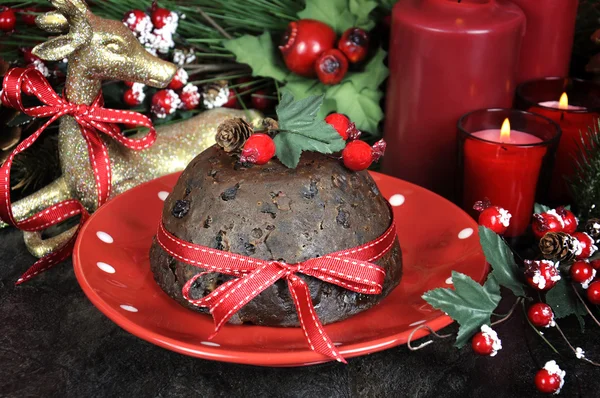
[71,14]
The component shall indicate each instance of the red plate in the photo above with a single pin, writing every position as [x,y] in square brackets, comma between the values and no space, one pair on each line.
[112,266]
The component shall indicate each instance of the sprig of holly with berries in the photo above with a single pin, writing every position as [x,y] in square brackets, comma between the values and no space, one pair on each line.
[550,286]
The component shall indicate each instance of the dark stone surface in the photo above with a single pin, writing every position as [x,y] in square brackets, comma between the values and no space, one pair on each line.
[54,342]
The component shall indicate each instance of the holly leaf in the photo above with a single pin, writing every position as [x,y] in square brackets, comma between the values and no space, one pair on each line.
[259,53]
[362,107]
[361,9]
[564,302]
[334,13]
[301,129]
[539,208]
[301,87]
[501,258]
[469,304]
[374,74]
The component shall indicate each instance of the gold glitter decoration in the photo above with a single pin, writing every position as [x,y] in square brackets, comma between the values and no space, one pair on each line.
[100,49]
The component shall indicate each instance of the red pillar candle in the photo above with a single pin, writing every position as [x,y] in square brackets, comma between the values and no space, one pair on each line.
[446,58]
[505,166]
[548,40]
[582,111]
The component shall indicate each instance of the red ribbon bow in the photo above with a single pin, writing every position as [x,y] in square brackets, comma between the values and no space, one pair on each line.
[92,119]
[351,269]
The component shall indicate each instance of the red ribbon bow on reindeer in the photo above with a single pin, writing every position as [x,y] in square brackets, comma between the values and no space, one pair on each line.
[351,269]
[92,119]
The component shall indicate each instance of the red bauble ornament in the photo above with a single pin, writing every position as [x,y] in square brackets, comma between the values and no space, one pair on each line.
[550,379]
[340,123]
[357,155]
[258,149]
[546,222]
[354,44]
[190,97]
[28,17]
[586,243]
[331,67]
[232,102]
[8,19]
[541,315]
[131,98]
[179,80]
[582,272]
[541,275]
[132,19]
[304,41]
[160,17]
[593,293]
[261,101]
[495,218]
[569,220]
[165,102]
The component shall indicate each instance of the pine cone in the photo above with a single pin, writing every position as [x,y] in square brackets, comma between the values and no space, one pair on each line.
[559,246]
[232,134]
[592,227]
[215,94]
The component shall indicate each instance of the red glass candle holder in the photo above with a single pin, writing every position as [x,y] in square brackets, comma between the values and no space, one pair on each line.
[507,171]
[541,96]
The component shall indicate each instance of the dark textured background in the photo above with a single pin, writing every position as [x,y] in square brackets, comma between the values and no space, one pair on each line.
[54,342]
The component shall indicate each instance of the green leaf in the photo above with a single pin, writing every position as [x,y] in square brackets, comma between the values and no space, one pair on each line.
[374,74]
[334,13]
[259,53]
[388,4]
[501,258]
[540,208]
[361,9]
[301,129]
[470,304]
[361,107]
[564,301]
[301,87]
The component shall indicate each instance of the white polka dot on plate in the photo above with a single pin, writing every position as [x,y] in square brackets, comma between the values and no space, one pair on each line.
[465,233]
[417,323]
[449,281]
[129,308]
[109,269]
[210,344]
[162,195]
[397,200]
[104,237]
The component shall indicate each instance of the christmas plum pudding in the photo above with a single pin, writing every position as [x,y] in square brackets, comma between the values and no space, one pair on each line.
[271,212]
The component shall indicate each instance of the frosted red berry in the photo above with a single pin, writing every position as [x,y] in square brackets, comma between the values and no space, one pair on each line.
[261,100]
[232,102]
[357,155]
[495,218]
[331,67]
[595,264]
[541,275]
[340,123]
[133,20]
[482,344]
[8,19]
[546,222]
[593,293]
[190,97]
[131,98]
[165,102]
[570,222]
[179,80]
[354,43]
[258,149]
[28,55]
[586,244]
[582,272]
[549,379]
[160,17]
[541,315]
[304,41]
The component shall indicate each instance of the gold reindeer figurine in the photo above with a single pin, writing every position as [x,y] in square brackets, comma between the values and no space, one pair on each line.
[100,49]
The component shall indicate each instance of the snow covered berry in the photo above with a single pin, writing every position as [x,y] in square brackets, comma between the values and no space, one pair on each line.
[541,275]
[486,342]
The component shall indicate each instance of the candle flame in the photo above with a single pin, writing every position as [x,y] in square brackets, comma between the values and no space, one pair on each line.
[563,103]
[505,131]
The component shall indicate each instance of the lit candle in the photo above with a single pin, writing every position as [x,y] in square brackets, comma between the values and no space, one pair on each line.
[504,164]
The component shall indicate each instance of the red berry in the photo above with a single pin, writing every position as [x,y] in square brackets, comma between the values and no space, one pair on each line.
[160,17]
[541,275]
[137,21]
[582,272]
[29,15]
[595,264]
[129,84]
[331,67]
[261,100]
[495,218]
[179,80]
[304,41]
[8,20]
[354,44]
[165,102]
[131,98]
[232,102]
[258,149]
[546,222]
[340,123]
[28,56]
[190,97]
[481,344]
[586,243]
[357,155]
[593,293]
[541,315]
[569,220]
[550,379]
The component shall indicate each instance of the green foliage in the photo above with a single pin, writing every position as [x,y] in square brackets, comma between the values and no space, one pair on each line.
[373,75]
[470,304]
[259,53]
[585,186]
[301,130]
[564,301]
[340,14]
[361,106]
[500,257]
